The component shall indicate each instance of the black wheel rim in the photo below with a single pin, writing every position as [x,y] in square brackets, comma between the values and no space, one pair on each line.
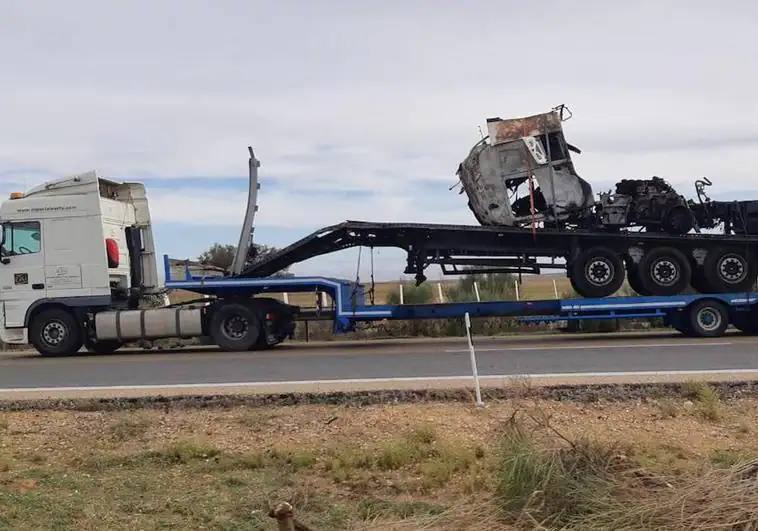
[599,271]
[732,268]
[665,272]
[235,327]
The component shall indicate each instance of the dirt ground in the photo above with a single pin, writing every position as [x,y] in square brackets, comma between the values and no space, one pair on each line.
[342,467]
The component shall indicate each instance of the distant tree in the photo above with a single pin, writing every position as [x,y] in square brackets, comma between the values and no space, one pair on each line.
[221,256]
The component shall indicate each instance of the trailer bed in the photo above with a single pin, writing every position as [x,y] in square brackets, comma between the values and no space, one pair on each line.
[348,307]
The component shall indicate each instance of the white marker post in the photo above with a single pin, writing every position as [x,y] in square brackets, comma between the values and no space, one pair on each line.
[474,370]
[555,289]
[286,297]
[439,292]
[401,295]
[476,291]
[518,295]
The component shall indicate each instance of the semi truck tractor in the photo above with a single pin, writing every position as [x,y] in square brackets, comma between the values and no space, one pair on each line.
[78,268]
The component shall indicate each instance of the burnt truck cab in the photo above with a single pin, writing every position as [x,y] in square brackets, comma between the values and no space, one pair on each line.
[522,173]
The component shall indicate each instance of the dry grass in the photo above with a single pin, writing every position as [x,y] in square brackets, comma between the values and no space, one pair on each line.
[515,464]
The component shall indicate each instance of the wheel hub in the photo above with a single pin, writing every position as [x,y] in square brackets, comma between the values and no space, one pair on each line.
[665,272]
[235,327]
[54,333]
[599,272]
[709,319]
[732,269]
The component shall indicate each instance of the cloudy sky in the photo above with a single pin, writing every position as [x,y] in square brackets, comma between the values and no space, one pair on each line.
[362,110]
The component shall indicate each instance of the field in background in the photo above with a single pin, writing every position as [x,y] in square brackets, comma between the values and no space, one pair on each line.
[532,287]
[676,462]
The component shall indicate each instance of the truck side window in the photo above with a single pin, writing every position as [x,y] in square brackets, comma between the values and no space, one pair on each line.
[21,238]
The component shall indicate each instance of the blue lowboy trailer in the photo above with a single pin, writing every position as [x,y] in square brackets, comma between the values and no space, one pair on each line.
[698,315]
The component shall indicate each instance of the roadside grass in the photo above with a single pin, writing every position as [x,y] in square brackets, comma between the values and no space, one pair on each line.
[519,465]
[669,408]
[129,427]
[705,398]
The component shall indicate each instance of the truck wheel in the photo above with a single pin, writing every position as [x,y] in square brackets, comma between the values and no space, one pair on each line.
[235,327]
[728,270]
[597,272]
[102,346]
[698,282]
[55,332]
[708,318]
[633,276]
[664,271]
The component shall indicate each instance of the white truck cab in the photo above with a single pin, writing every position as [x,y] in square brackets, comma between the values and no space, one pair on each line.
[78,268]
[77,242]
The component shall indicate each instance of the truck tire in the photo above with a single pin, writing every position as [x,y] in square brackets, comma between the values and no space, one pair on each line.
[55,332]
[597,272]
[664,271]
[102,346]
[708,318]
[633,277]
[235,327]
[698,281]
[729,270]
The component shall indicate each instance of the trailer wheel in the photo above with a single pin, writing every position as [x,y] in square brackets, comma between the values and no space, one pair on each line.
[728,270]
[597,272]
[664,271]
[708,318]
[55,332]
[235,327]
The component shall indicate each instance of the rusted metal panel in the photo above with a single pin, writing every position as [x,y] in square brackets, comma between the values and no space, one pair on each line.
[501,131]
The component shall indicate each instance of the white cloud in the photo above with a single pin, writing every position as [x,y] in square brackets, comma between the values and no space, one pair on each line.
[281,209]
[367,96]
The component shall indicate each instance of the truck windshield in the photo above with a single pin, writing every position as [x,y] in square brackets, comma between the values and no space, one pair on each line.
[21,238]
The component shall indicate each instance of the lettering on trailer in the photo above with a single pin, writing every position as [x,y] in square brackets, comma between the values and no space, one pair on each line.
[63,277]
[19,279]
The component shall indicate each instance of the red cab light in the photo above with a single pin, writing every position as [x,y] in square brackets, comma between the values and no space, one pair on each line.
[111,250]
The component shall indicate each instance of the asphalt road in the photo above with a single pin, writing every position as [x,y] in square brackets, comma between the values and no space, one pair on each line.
[532,355]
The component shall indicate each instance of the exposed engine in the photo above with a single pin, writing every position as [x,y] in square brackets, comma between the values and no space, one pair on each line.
[650,203]
[522,175]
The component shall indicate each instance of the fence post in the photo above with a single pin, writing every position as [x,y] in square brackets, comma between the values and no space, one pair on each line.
[476,291]
[439,291]
[402,301]
[472,352]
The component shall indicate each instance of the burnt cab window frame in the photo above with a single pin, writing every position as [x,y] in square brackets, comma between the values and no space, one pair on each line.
[19,238]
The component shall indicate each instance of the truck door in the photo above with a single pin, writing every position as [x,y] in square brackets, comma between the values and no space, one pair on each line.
[22,271]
